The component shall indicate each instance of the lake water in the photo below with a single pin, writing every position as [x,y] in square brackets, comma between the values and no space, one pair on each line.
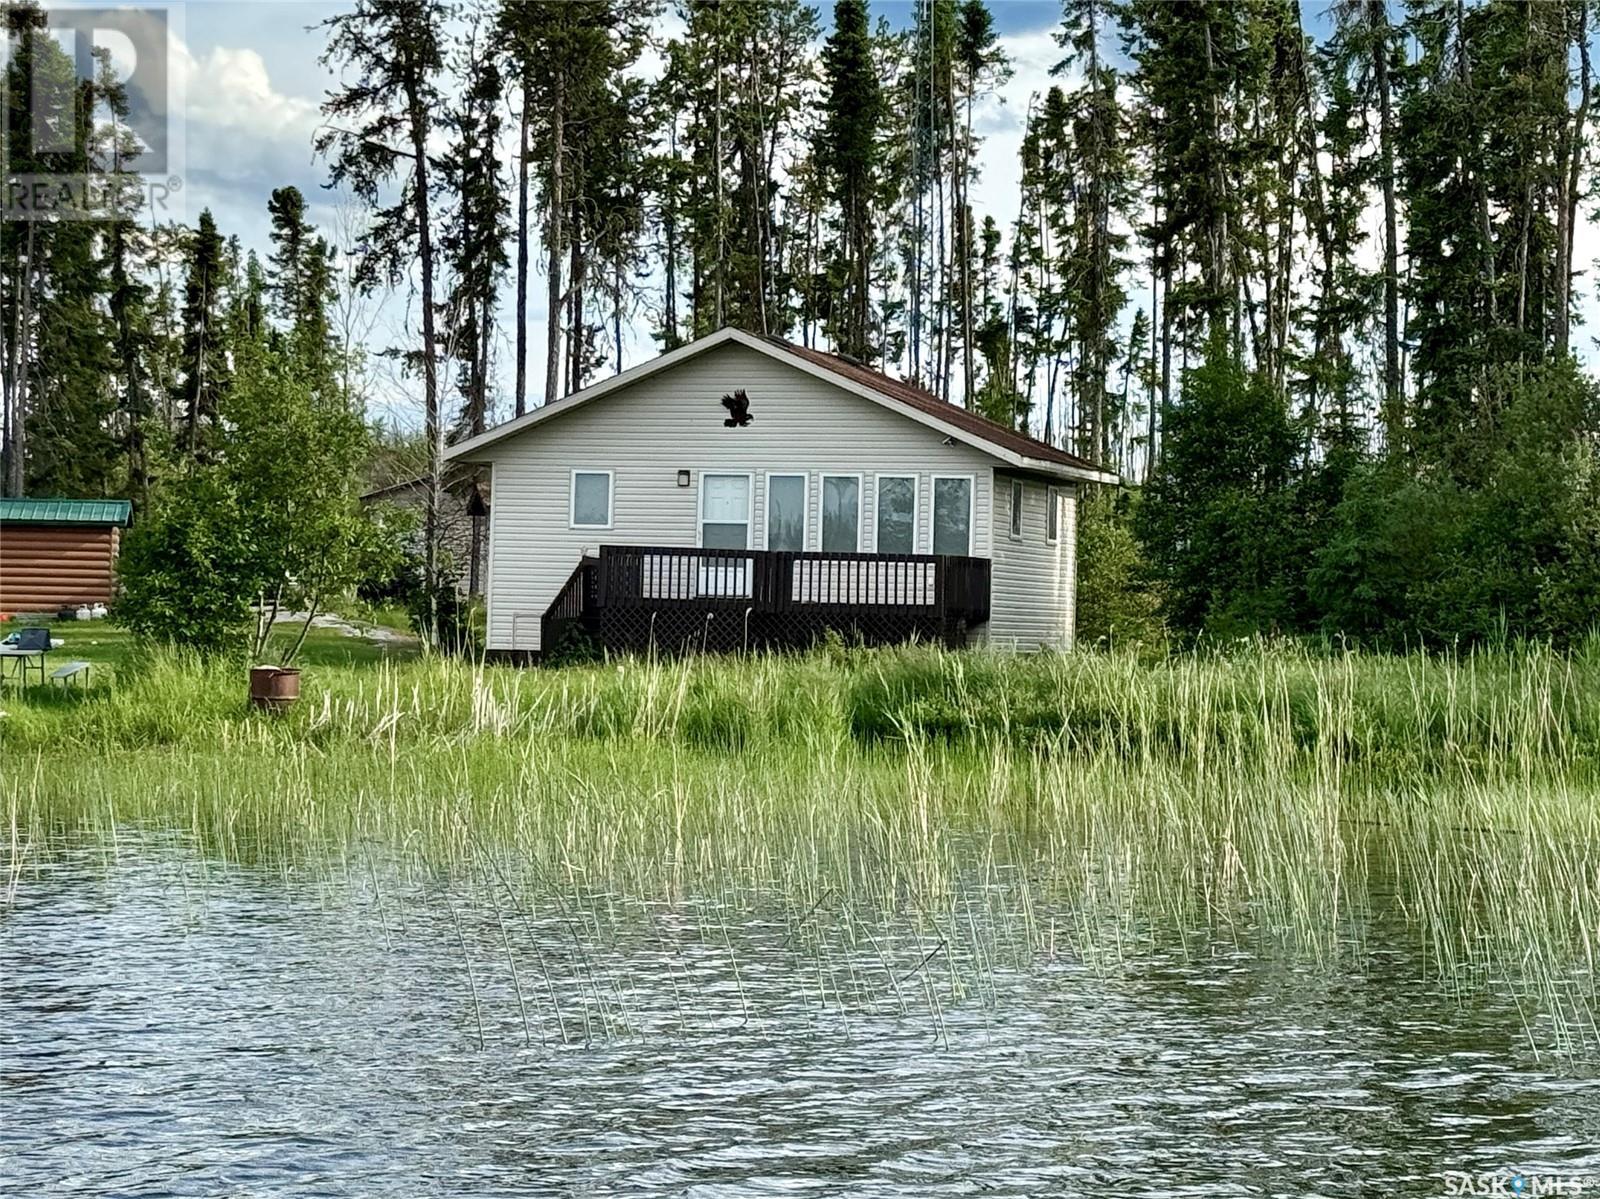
[169,1027]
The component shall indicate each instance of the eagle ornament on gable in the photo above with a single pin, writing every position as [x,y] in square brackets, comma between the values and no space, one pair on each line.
[738,406]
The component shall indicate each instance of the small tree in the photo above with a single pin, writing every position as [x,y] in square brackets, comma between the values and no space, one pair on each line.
[295,450]
[1117,603]
[277,519]
[1217,518]
[184,567]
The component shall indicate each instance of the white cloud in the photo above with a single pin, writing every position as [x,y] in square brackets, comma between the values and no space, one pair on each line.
[230,90]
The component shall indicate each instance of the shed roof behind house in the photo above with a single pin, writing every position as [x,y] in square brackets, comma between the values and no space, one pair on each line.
[16,510]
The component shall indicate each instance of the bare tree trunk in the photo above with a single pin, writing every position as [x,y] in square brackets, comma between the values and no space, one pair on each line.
[669,249]
[1485,226]
[553,234]
[966,260]
[1567,217]
[430,367]
[718,268]
[522,256]
[17,446]
[577,335]
[1394,417]
[1150,391]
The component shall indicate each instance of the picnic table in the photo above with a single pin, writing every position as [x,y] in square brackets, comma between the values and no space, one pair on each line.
[26,647]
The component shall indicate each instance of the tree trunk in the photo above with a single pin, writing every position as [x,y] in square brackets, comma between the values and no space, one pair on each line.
[17,447]
[1394,417]
[434,427]
[553,235]
[1567,217]
[522,256]
[966,260]
[669,249]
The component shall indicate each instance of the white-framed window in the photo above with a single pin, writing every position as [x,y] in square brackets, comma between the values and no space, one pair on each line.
[1052,514]
[895,505]
[1016,509]
[952,514]
[725,511]
[591,499]
[839,514]
[786,511]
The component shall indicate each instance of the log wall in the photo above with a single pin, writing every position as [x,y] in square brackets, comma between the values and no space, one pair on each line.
[45,567]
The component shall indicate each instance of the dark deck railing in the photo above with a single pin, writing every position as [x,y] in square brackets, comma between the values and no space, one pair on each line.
[673,596]
[574,607]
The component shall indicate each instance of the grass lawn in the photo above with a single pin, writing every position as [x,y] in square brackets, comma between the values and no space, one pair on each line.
[108,647]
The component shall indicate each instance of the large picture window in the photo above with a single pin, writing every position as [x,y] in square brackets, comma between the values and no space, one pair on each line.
[841,513]
[952,515]
[897,514]
[725,512]
[591,499]
[786,512]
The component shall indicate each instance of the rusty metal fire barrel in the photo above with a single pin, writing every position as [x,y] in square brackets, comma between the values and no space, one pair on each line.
[274,688]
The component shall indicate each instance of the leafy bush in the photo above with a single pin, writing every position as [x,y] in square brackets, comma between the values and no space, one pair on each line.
[1118,603]
[1511,552]
[186,568]
[1219,517]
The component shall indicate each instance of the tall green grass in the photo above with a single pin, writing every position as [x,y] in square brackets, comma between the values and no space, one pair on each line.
[1085,804]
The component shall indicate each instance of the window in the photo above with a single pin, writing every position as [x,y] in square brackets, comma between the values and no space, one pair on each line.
[1016,509]
[1052,515]
[897,514]
[841,513]
[591,499]
[952,515]
[725,512]
[786,512]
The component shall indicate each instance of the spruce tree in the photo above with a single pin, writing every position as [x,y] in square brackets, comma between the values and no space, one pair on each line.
[380,122]
[850,159]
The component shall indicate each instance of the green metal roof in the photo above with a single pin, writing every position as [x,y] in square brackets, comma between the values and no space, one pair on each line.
[64,512]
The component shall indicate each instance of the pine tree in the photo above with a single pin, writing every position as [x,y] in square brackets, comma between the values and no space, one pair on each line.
[982,67]
[472,240]
[394,49]
[850,159]
[203,361]
[1098,254]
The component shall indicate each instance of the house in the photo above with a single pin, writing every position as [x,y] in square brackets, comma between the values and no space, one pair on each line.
[741,491]
[463,515]
[59,553]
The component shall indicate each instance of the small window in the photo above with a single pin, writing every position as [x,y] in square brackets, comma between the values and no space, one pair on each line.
[1016,509]
[841,514]
[725,512]
[786,512]
[897,514]
[1052,515]
[952,515]
[591,499]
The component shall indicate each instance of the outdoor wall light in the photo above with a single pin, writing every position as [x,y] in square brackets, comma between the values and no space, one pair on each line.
[683,478]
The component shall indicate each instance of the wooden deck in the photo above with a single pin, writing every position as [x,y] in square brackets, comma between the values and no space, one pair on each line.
[671,599]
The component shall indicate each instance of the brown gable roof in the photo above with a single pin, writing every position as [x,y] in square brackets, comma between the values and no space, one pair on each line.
[925,401]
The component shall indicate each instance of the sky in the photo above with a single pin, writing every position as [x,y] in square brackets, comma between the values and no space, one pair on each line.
[251,87]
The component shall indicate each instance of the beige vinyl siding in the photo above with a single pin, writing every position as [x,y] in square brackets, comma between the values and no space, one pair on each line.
[645,433]
[1034,583]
